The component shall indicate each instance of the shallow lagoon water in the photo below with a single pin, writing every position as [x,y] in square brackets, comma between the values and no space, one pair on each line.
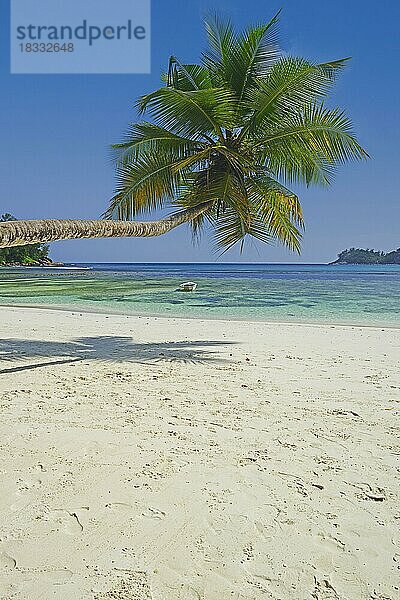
[348,294]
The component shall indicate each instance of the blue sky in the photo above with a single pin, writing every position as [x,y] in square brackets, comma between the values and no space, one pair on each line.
[56,129]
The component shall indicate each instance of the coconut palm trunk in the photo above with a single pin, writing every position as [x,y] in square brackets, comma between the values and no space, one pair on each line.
[21,233]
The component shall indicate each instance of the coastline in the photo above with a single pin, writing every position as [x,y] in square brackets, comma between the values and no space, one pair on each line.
[269,293]
[106,311]
[167,456]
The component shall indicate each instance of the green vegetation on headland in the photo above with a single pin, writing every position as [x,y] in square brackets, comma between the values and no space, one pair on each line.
[359,256]
[31,255]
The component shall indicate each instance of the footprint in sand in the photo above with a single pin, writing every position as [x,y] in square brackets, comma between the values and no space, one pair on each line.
[68,520]
[23,500]
[186,592]
[7,562]
[23,495]
[29,482]
[58,576]
[119,506]
[153,513]
[323,590]
[331,542]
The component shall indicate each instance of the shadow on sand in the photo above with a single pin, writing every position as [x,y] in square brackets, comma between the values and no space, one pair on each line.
[106,348]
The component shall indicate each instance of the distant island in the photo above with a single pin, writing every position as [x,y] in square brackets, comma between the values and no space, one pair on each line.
[33,255]
[359,256]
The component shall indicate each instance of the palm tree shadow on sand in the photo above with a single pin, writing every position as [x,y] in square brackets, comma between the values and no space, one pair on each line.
[115,349]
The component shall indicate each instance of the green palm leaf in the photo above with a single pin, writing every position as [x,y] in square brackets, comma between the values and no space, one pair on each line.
[238,59]
[232,229]
[187,78]
[279,209]
[148,137]
[221,38]
[149,183]
[290,84]
[195,113]
[308,146]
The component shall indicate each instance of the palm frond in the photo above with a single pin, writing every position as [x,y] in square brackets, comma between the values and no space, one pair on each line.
[279,210]
[268,187]
[240,161]
[197,113]
[291,83]
[149,137]
[309,145]
[197,224]
[295,163]
[195,161]
[221,37]
[255,53]
[238,60]
[147,184]
[187,78]
[231,229]
[223,185]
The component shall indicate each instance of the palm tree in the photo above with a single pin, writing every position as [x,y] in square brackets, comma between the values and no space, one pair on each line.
[225,139]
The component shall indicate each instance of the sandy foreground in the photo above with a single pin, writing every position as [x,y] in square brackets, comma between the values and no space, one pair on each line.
[165,459]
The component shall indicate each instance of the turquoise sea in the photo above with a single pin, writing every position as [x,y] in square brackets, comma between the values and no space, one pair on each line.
[349,294]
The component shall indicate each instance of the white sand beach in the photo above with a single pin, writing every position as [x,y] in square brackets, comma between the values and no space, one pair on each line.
[173,459]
